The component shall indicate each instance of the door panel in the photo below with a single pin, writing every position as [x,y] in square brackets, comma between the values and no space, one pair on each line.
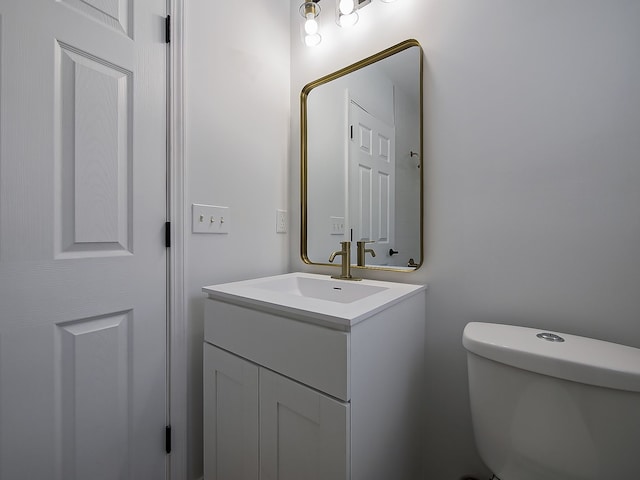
[372,183]
[117,14]
[303,434]
[94,376]
[82,264]
[94,204]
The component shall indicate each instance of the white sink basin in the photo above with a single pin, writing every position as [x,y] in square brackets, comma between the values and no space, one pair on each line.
[315,298]
[319,288]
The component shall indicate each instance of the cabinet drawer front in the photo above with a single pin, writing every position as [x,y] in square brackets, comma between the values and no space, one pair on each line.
[313,355]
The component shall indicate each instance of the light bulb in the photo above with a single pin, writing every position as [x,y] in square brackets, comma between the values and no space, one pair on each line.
[311,25]
[346,7]
[309,11]
[312,40]
[348,20]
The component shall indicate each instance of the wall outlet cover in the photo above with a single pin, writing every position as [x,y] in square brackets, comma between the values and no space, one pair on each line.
[281,221]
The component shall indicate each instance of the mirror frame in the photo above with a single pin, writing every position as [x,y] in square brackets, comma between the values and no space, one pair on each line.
[304,159]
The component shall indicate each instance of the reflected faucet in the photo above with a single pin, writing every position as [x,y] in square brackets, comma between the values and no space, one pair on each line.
[362,252]
[345,253]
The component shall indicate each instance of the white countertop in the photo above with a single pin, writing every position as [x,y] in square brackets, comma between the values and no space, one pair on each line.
[277,294]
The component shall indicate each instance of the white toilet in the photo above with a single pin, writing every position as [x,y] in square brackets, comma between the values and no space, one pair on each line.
[549,406]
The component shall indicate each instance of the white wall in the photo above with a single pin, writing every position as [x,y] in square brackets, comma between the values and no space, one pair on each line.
[407,114]
[237,140]
[532,151]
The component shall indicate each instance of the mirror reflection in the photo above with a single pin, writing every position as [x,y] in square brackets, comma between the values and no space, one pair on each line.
[361,142]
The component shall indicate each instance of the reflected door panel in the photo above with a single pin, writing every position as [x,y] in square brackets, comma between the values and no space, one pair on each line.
[371,162]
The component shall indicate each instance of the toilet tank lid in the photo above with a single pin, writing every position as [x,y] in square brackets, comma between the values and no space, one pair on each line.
[579,359]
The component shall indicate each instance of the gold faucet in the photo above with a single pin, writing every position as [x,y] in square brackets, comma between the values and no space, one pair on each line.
[362,252]
[345,253]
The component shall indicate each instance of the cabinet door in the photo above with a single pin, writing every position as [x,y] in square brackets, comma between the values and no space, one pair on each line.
[303,434]
[230,416]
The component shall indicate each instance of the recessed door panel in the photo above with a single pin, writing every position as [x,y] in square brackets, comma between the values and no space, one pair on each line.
[94,208]
[364,224]
[383,208]
[384,147]
[94,378]
[366,139]
[117,14]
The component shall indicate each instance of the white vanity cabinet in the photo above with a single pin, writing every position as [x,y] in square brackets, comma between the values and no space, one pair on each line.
[294,394]
[261,425]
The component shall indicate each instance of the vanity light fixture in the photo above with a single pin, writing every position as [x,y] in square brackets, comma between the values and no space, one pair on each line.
[346,7]
[346,16]
[347,11]
[310,11]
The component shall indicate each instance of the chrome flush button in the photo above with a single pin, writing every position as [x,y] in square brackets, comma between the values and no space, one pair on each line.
[551,337]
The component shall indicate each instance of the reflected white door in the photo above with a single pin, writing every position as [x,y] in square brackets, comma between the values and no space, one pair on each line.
[371,183]
[82,261]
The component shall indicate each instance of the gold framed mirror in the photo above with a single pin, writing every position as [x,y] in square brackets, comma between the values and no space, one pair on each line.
[361,161]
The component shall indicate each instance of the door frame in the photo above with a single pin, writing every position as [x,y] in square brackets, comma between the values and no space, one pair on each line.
[177,338]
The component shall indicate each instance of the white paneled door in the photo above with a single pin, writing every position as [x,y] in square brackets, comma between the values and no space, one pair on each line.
[83,265]
[372,179]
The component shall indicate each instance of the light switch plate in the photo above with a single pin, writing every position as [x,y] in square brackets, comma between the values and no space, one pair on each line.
[210,219]
[336,225]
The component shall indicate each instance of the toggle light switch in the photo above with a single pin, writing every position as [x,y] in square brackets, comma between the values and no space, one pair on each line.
[336,225]
[210,219]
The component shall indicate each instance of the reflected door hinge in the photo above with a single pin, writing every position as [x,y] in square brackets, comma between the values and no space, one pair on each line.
[167,439]
[167,234]
[167,29]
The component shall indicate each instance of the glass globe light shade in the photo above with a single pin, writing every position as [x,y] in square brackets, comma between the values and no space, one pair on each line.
[346,6]
[312,40]
[348,20]
[311,25]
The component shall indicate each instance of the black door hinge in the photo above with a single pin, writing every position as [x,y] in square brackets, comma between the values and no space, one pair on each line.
[167,29]
[167,439]
[351,132]
[167,234]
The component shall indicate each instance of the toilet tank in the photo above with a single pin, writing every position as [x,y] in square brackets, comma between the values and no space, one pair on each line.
[552,406]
